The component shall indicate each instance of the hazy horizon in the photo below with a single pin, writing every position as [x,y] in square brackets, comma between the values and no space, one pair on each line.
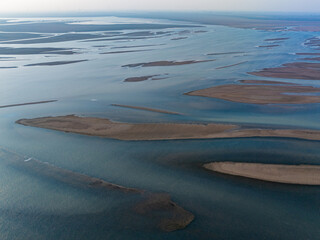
[59,6]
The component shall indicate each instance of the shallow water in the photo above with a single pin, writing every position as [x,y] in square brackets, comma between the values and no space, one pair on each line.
[225,207]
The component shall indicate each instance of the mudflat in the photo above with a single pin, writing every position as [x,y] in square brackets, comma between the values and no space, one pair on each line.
[260,94]
[289,174]
[159,131]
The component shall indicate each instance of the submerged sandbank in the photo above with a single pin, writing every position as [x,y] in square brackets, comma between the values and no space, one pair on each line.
[261,94]
[156,207]
[160,131]
[289,174]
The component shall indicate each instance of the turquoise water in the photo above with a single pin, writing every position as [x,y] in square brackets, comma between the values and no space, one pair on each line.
[225,207]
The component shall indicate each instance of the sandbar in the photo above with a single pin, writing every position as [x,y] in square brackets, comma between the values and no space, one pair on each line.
[29,103]
[276,39]
[297,70]
[279,173]
[146,109]
[178,38]
[129,51]
[8,67]
[159,131]
[232,65]
[166,63]
[268,46]
[226,53]
[261,94]
[311,59]
[145,78]
[265,82]
[308,54]
[56,63]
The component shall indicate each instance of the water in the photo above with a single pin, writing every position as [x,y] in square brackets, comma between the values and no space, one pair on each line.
[225,207]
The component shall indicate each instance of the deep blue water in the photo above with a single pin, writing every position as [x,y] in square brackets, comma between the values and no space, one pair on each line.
[225,207]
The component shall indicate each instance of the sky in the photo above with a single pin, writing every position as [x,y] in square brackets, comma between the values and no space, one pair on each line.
[33,6]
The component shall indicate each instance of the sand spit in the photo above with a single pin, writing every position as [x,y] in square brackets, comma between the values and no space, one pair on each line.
[146,109]
[298,70]
[56,63]
[232,65]
[289,174]
[157,207]
[261,94]
[265,82]
[29,103]
[166,63]
[159,131]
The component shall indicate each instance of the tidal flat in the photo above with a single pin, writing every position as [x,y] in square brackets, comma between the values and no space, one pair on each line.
[129,163]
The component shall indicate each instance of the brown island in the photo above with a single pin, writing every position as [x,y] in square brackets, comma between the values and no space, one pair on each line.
[160,131]
[289,174]
[297,70]
[261,94]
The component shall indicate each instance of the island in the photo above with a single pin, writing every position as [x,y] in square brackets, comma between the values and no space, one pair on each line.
[296,70]
[105,128]
[279,173]
[261,94]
